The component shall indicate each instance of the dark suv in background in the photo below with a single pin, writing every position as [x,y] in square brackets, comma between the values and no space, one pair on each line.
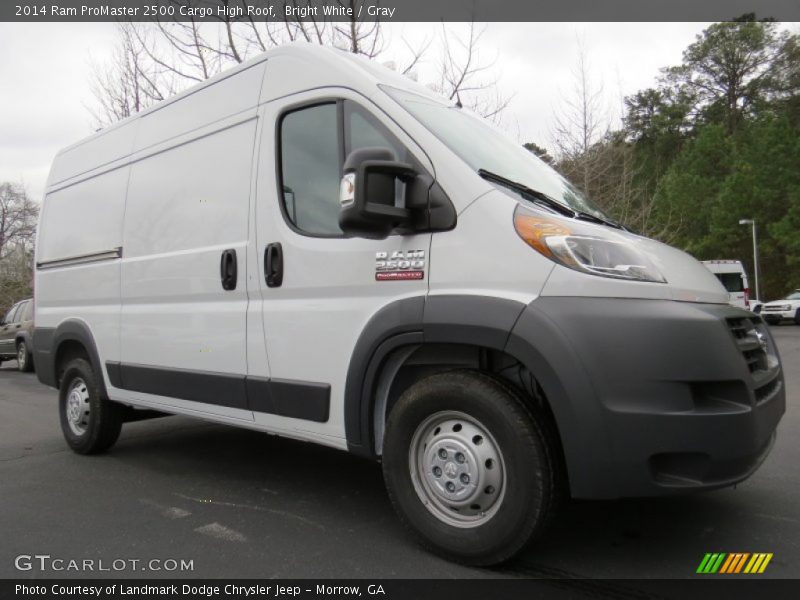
[16,335]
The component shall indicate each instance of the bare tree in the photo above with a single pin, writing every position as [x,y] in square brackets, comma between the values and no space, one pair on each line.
[130,81]
[157,59]
[581,126]
[464,74]
[600,161]
[18,215]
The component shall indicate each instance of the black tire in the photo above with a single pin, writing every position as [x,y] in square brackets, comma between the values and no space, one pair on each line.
[24,357]
[527,502]
[102,418]
[797,317]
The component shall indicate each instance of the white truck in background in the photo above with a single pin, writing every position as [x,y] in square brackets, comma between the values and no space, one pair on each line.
[733,277]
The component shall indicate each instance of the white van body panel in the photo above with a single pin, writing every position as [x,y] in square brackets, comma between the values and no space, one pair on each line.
[231,94]
[181,215]
[98,153]
[87,292]
[102,197]
[311,323]
[465,262]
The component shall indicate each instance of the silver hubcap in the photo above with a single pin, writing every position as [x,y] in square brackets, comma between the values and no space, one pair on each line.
[78,407]
[21,354]
[457,469]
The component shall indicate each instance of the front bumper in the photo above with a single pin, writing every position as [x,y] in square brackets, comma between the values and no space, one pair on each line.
[766,313]
[653,397]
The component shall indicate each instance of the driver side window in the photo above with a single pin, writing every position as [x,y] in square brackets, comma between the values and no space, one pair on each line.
[313,144]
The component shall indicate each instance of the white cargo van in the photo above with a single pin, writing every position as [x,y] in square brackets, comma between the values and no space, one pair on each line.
[314,246]
[733,277]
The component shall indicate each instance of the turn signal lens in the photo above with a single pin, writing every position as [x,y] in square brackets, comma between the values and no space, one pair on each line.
[535,231]
[347,189]
[586,248]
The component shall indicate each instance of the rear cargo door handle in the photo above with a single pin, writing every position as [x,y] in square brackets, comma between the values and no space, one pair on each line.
[273,265]
[227,269]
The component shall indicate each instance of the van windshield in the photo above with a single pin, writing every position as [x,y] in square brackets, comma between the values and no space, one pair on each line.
[485,148]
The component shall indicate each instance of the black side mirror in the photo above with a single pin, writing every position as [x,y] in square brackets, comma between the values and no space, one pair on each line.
[367,194]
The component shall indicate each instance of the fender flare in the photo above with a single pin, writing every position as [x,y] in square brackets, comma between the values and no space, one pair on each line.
[523,331]
[456,319]
[46,342]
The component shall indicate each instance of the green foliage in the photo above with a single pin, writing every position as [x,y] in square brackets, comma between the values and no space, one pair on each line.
[688,193]
[719,179]
[727,71]
[539,151]
[764,185]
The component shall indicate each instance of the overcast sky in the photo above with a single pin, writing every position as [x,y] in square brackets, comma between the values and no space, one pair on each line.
[45,71]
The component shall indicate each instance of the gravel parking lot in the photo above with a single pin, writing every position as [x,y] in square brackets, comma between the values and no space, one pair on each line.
[243,504]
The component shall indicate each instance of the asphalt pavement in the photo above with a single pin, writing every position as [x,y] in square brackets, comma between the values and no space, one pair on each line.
[237,503]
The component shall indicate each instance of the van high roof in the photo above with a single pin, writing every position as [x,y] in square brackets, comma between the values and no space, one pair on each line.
[302,66]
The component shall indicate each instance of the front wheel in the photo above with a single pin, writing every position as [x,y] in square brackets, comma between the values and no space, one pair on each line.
[90,423]
[24,358]
[468,467]
[797,317]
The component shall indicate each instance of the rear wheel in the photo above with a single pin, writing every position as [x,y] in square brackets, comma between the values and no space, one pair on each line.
[24,358]
[468,467]
[90,423]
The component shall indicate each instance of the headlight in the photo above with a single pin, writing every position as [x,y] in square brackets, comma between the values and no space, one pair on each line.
[584,248]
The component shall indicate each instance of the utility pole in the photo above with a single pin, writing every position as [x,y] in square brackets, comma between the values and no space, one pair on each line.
[752,222]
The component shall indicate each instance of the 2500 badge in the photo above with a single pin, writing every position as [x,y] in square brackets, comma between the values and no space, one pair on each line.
[400,265]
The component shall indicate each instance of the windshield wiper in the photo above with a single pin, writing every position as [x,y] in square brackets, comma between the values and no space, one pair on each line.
[545,200]
[584,216]
[524,190]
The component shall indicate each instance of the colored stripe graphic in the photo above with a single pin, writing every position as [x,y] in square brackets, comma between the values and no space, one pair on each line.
[729,563]
[741,562]
[765,563]
[734,562]
[758,563]
[703,563]
[711,562]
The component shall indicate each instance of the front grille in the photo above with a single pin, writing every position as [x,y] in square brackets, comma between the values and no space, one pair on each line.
[753,342]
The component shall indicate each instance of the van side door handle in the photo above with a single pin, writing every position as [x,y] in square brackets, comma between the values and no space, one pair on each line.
[273,265]
[227,269]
